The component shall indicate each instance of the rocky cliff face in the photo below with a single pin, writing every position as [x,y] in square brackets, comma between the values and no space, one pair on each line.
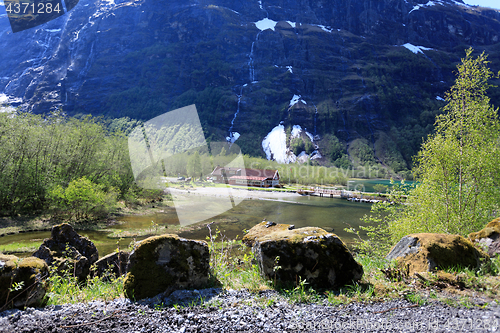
[353,69]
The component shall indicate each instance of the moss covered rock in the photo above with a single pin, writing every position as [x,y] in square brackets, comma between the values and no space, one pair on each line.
[488,238]
[21,281]
[262,229]
[162,264]
[313,254]
[67,250]
[113,263]
[429,252]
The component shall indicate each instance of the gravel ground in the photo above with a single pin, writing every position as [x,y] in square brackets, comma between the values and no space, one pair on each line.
[241,311]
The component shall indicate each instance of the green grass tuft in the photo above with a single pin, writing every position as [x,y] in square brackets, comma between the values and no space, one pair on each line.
[64,288]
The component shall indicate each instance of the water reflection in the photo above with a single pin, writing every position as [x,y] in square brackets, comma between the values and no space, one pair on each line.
[331,214]
[302,211]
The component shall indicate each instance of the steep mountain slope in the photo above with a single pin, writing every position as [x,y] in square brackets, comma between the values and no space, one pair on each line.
[358,77]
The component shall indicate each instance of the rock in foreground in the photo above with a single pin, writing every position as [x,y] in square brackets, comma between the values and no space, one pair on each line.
[313,254]
[488,238]
[66,249]
[162,264]
[429,252]
[21,281]
[114,263]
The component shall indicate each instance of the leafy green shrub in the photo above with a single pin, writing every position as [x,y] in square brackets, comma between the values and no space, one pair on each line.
[82,199]
[378,240]
[379,188]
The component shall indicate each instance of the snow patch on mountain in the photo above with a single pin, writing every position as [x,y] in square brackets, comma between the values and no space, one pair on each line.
[274,145]
[295,99]
[233,137]
[315,155]
[326,29]
[3,98]
[265,24]
[417,7]
[416,49]
[437,2]
[296,129]
[303,157]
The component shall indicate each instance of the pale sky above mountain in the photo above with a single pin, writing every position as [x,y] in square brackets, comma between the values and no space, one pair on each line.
[484,3]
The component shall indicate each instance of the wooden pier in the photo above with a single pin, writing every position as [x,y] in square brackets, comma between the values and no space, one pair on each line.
[321,192]
[348,195]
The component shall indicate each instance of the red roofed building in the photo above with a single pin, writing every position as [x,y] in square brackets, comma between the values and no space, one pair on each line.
[246,177]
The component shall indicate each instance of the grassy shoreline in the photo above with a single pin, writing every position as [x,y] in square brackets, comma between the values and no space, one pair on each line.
[233,268]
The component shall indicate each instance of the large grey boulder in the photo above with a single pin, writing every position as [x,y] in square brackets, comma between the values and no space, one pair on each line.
[21,281]
[429,252]
[69,251]
[287,255]
[162,264]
